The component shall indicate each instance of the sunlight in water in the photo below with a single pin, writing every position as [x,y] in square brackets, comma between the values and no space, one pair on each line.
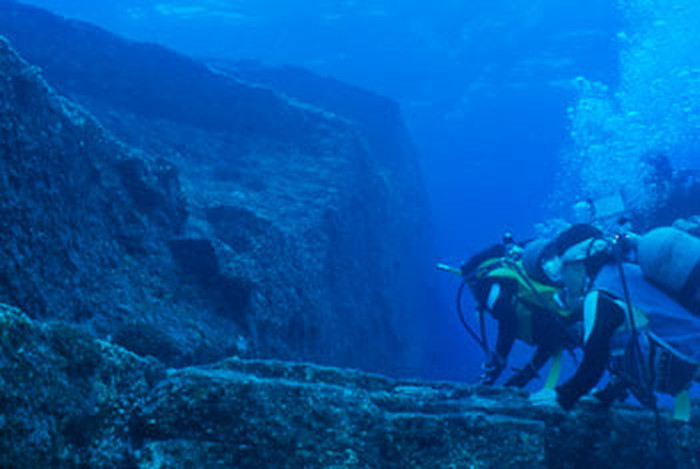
[653,109]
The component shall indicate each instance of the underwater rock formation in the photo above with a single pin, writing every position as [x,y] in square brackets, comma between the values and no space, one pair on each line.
[234,219]
[69,400]
[86,222]
[66,399]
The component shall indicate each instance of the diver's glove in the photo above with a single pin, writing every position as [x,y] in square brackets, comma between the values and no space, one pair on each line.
[523,376]
[492,369]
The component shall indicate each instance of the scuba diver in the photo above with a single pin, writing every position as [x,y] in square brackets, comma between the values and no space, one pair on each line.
[524,308]
[640,297]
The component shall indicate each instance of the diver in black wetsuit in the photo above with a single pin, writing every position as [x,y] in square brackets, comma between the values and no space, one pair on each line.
[596,356]
[642,365]
[656,346]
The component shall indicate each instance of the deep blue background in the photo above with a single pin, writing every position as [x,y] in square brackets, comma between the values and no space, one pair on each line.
[483,84]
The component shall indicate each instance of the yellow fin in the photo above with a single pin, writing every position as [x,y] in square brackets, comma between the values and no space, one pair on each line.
[554,372]
[681,407]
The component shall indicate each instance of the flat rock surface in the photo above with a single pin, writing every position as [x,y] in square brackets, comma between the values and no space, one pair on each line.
[67,399]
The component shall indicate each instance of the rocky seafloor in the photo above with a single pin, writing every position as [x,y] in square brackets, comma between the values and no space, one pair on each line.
[70,400]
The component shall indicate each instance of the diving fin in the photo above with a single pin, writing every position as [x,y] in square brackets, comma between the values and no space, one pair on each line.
[681,407]
[554,372]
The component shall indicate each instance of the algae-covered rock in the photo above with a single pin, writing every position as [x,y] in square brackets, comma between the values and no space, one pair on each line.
[269,414]
[274,414]
[67,399]
[297,221]
[78,244]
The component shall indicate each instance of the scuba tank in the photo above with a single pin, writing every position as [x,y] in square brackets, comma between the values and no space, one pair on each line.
[670,258]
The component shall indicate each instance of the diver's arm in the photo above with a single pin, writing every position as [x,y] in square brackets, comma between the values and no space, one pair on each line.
[503,310]
[608,316]
[500,303]
[507,329]
[499,358]
[550,337]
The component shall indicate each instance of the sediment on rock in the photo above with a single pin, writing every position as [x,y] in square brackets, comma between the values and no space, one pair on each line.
[67,399]
[229,215]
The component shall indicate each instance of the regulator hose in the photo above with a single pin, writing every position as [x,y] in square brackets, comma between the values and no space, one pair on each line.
[472,333]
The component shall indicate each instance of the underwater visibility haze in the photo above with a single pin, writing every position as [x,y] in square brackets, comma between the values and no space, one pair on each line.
[483,87]
[223,221]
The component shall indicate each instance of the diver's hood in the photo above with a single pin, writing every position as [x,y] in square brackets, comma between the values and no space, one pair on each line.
[586,249]
[574,235]
[547,260]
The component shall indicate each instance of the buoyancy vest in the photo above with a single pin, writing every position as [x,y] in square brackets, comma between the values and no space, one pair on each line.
[669,335]
[665,321]
[531,297]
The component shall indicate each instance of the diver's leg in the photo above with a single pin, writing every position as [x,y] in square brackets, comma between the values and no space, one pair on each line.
[531,370]
[602,316]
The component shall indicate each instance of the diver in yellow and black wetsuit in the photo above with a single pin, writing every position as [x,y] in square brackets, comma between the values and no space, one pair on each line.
[524,308]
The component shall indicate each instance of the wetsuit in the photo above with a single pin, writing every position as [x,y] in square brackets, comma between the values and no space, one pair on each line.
[667,340]
[498,297]
[596,351]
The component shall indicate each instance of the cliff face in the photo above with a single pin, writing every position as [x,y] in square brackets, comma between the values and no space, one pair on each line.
[77,243]
[206,215]
[68,400]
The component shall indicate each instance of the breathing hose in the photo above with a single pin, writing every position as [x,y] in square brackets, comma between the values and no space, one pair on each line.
[664,457]
[479,340]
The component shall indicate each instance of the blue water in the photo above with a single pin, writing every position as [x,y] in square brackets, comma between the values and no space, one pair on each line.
[517,107]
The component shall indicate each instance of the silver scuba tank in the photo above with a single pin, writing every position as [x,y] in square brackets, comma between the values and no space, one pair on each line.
[668,257]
